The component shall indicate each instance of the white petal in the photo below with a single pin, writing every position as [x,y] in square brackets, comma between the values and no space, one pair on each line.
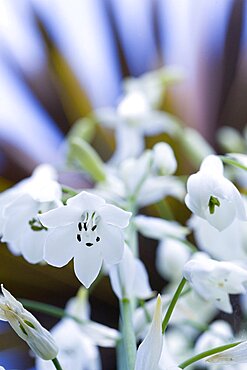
[156,122]
[157,228]
[87,264]
[156,188]
[212,164]
[141,284]
[149,351]
[112,243]
[60,216]
[122,275]
[32,245]
[127,148]
[86,201]
[60,246]
[100,335]
[231,356]
[114,215]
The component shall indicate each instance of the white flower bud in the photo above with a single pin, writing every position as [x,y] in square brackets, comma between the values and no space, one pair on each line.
[164,160]
[27,327]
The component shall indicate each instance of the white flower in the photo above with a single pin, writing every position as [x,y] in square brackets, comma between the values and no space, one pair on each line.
[214,280]
[170,258]
[140,180]
[27,327]
[149,351]
[232,356]
[21,228]
[87,229]
[129,278]
[76,351]
[213,197]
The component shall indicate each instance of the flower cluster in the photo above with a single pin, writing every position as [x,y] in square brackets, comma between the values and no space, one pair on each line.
[138,192]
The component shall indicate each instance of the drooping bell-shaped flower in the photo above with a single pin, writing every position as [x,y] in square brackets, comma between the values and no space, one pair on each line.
[149,351]
[214,280]
[27,327]
[212,196]
[88,229]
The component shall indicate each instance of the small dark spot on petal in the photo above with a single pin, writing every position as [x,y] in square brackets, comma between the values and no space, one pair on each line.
[94,227]
[80,226]
[78,236]
[85,226]
[89,244]
[97,239]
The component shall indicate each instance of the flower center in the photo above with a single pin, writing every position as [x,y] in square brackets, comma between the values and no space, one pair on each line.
[212,203]
[87,229]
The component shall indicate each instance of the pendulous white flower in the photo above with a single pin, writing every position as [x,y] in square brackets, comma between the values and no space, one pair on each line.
[226,245]
[88,229]
[21,205]
[214,280]
[164,160]
[27,327]
[149,351]
[213,197]
[129,278]
[232,356]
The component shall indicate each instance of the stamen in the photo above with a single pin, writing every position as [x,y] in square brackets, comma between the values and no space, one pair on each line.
[94,227]
[89,244]
[80,226]
[78,236]
[97,239]
[85,226]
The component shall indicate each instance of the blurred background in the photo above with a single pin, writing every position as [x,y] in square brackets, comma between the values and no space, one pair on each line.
[60,59]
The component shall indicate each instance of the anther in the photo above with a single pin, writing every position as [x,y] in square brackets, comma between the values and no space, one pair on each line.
[94,227]
[85,226]
[80,226]
[97,239]
[78,236]
[89,244]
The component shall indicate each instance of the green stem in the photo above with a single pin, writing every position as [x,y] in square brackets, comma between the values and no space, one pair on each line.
[69,191]
[57,364]
[128,333]
[232,162]
[48,309]
[210,352]
[173,304]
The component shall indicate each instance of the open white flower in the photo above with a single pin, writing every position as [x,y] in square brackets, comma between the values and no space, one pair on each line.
[149,351]
[87,229]
[22,204]
[214,280]
[129,278]
[27,327]
[213,197]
